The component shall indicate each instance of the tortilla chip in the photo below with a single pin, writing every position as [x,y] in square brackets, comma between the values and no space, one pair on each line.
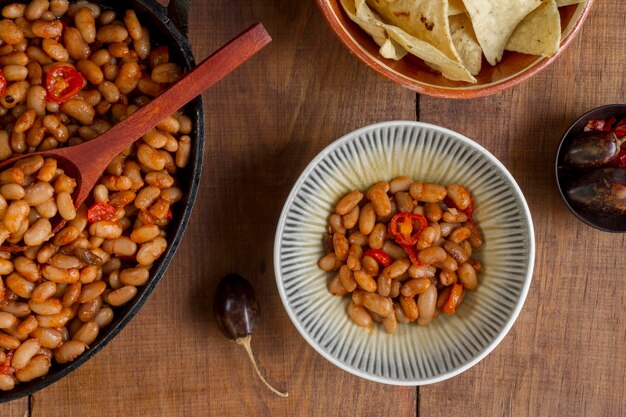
[494,21]
[539,33]
[360,14]
[561,3]
[455,7]
[369,21]
[432,56]
[465,42]
[424,19]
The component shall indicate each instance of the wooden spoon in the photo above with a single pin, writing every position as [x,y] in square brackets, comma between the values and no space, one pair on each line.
[87,161]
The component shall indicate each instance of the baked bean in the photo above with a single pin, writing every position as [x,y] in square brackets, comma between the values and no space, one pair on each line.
[377,304]
[335,287]
[121,295]
[459,196]
[447,277]
[431,255]
[7,320]
[357,238]
[355,253]
[348,202]
[393,250]
[380,202]
[48,28]
[132,24]
[390,323]
[399,184]
[351,219]
[367,219]
[454,216]
[460,234]
[38,233]
[87,311]
[10,33]
[467,276]
[475,238]
[426,303]
[55,50]
[15,215]
[43,291]
[414,287]
[405,202]
[36,100]
[69,351]
[14,94]
[433,211]
[383,285]
[65,205]
[377,237]
[359,315]
[409,308]
[370,265]
[79,110]
[8,342]
[35,9]
[395,288]
[128,77]
[37,367]
[104,317]
[13,10]
[59,7]
[12,191]
[15,72]
[111,33]
[47,307]
[166,73]
[365,281]
[24,353]
[27,326]
[397,268]
[455,251]
[346,277]
[341,246]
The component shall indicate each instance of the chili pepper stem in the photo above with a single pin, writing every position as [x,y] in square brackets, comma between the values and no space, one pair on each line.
[245,342]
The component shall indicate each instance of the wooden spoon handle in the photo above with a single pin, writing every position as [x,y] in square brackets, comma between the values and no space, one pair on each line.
[207,73]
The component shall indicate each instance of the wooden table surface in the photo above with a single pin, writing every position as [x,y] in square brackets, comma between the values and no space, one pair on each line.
[565,354]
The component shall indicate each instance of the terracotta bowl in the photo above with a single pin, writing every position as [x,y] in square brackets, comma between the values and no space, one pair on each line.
[412,73]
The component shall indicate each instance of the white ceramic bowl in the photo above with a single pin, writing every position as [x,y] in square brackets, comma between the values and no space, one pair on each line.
[414,355]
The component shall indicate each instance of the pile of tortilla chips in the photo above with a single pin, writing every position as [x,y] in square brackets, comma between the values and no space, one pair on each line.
[452,36]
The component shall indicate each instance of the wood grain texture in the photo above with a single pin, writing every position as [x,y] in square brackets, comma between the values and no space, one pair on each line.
[264,124]
[564,355]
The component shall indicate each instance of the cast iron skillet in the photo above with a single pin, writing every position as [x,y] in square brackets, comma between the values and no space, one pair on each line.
[169,27]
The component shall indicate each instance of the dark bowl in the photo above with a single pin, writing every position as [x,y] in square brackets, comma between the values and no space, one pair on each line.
[614,223]
[163,30]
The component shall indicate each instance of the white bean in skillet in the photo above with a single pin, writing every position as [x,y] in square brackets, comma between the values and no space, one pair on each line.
[402,251]
[68,72]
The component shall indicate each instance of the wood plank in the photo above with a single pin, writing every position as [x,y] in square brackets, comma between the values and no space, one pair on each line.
[17,408]
[564,355]
[265,123]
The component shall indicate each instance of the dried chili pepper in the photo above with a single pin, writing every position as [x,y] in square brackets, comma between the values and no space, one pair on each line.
[62,83]
[379,256]
[3,83]
[100,211]
[600,125]
[453,300]
[402,228]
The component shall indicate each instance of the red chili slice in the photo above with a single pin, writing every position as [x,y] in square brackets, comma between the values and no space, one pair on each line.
[63,82]
[101,211]
[412,252]
[379,256]
[3,83]
[453,300]
[402,228]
